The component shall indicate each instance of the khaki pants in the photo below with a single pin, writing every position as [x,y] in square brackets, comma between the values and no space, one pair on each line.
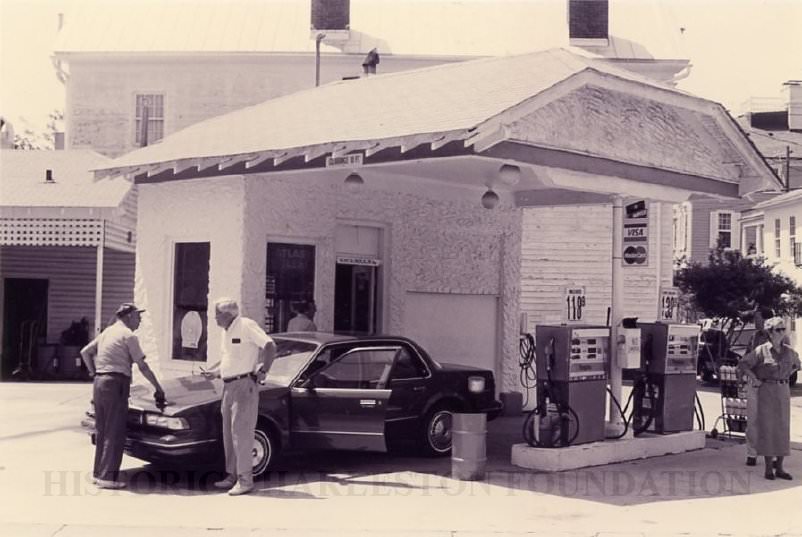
[240,408]
[751,420]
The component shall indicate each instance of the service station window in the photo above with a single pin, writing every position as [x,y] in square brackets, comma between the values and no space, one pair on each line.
[290,280]
[190,301]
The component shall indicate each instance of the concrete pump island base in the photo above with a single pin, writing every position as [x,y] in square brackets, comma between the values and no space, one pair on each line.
[606,452]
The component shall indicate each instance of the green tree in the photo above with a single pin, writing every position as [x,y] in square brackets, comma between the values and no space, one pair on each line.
[46,140]
[732,287]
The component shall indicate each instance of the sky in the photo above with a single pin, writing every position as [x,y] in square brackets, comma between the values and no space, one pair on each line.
[739,49]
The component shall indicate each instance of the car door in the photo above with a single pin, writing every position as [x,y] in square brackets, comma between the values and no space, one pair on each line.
[411,386]
[343,405]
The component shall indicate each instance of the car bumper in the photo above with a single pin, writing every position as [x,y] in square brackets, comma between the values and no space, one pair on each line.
[493,410]
[165,447]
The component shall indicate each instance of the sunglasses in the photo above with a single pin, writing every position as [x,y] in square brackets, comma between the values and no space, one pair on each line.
[780,329]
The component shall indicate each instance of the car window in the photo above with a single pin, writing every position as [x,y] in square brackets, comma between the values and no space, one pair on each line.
[358,369]
[408,366]
[291,356]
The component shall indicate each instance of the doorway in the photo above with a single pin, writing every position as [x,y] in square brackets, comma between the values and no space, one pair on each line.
[24,325]
[355,289]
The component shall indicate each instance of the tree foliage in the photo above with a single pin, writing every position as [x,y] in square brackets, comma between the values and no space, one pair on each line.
[45,140]
[732,287]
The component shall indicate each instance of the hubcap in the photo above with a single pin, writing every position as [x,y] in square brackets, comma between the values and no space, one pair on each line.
[260,452]
[440,431]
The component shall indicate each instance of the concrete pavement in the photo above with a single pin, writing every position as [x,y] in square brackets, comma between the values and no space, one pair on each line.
[45,489]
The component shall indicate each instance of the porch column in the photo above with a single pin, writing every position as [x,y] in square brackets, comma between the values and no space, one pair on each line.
[616,424]
[99,278]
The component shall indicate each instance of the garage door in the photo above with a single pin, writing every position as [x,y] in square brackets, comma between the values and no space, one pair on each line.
[459,329]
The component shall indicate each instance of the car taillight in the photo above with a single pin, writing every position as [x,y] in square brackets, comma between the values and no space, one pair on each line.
[166,422]
[476,384]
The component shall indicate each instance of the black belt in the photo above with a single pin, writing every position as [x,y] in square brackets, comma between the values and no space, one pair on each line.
[776,381]
[112,374]
[237,377]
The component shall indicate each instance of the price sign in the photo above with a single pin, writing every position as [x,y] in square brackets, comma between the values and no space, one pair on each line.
[668,308]
[574,306]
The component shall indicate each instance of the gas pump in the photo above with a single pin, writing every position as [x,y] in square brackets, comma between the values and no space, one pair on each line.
[664,396]
[571,365]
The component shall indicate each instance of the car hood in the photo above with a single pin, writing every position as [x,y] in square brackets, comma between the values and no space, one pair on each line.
[185,392]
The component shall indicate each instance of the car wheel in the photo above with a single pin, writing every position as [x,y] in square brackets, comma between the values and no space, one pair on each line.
[265,447]
[792,378]
[437,431]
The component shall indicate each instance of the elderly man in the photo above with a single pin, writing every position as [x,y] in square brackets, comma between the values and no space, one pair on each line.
[108,359]
[246,355]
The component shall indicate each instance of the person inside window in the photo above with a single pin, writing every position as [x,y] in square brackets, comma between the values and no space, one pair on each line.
[303,321]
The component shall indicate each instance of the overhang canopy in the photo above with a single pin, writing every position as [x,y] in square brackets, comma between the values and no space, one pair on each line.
[564,118]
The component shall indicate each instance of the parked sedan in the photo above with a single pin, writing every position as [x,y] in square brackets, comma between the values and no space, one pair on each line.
[323,391]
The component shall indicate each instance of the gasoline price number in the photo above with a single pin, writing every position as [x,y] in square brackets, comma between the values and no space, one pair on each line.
[669,303]
[575,304]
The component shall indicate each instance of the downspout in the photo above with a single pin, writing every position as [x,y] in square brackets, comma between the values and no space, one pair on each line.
[318,38]
[99,278]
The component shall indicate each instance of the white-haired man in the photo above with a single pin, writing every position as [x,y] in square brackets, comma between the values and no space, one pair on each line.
[246,355]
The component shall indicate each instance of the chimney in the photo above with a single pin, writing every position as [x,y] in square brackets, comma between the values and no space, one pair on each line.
[58,141]
[49,177]
[330,16]
[794,102]
[588,22]
[370,62]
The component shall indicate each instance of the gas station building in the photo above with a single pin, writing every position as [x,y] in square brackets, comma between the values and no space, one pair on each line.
[441,204]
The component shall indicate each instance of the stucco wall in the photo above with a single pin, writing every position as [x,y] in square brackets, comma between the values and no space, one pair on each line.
[185,211]
[430,244]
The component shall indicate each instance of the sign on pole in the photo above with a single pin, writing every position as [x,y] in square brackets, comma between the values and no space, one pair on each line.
[668,308]
[574,309]
[636,235]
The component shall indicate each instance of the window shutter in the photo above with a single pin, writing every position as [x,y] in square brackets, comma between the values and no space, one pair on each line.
[713,231]
[736,230]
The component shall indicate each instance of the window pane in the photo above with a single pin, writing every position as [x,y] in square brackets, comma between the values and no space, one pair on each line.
[359,370]
[190,300]
[725,221]
[408,366]
[290,278]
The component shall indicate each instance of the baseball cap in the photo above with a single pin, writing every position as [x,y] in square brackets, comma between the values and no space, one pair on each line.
[126,308]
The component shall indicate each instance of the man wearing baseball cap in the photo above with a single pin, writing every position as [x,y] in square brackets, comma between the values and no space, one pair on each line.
[108,358]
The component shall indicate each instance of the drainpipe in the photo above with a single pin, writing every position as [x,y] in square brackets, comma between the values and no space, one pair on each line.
[318,38]
[99,278]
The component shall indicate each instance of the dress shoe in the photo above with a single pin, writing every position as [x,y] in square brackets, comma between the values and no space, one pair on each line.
[239,489]
[226,483]
[782,474]
[751,461]
[769,475]
[111,485]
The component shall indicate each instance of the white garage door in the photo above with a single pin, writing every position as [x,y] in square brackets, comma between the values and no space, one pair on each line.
[458,329]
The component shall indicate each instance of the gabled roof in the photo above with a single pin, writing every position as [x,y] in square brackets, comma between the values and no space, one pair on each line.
[792,197]
[450,98]
[22,180]
[400,27]
[468,108]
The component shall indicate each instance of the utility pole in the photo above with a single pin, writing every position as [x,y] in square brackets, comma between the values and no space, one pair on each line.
[788,168]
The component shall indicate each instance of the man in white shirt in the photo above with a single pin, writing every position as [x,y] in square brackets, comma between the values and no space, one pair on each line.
[246,355]
[303,320]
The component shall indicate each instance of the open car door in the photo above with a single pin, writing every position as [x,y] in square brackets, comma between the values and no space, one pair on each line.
[343,405]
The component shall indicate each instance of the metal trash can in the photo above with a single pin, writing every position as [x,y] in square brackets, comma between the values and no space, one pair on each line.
[469,447]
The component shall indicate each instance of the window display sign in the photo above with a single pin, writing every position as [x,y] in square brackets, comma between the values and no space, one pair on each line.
[290,279]
[190,300]
[636,235]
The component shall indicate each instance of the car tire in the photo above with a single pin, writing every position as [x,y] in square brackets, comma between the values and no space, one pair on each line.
[436,434]
[265,449]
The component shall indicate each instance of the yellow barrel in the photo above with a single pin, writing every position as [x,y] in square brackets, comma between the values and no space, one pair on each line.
[469,447]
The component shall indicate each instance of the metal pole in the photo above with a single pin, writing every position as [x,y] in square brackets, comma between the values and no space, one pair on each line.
[318,39]
[616,424]
[99,278]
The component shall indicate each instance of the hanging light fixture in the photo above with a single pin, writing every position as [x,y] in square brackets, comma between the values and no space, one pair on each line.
[354,180]
[509,174]
[490,199]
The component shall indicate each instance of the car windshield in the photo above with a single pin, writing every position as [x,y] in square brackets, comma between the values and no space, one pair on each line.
[291,357]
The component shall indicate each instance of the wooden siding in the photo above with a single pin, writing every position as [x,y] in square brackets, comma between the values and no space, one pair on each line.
[700,224]
[118,228]
[571,245]
[71,275]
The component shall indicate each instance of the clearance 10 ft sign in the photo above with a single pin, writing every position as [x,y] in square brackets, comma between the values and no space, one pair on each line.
[636,235]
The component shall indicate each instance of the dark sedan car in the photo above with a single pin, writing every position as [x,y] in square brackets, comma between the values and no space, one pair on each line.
[323,391]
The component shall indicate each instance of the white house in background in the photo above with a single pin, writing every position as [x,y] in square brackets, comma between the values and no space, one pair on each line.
[775,129]
[66,251]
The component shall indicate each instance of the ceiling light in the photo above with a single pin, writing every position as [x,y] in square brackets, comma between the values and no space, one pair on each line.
[509,174]
[489,199]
